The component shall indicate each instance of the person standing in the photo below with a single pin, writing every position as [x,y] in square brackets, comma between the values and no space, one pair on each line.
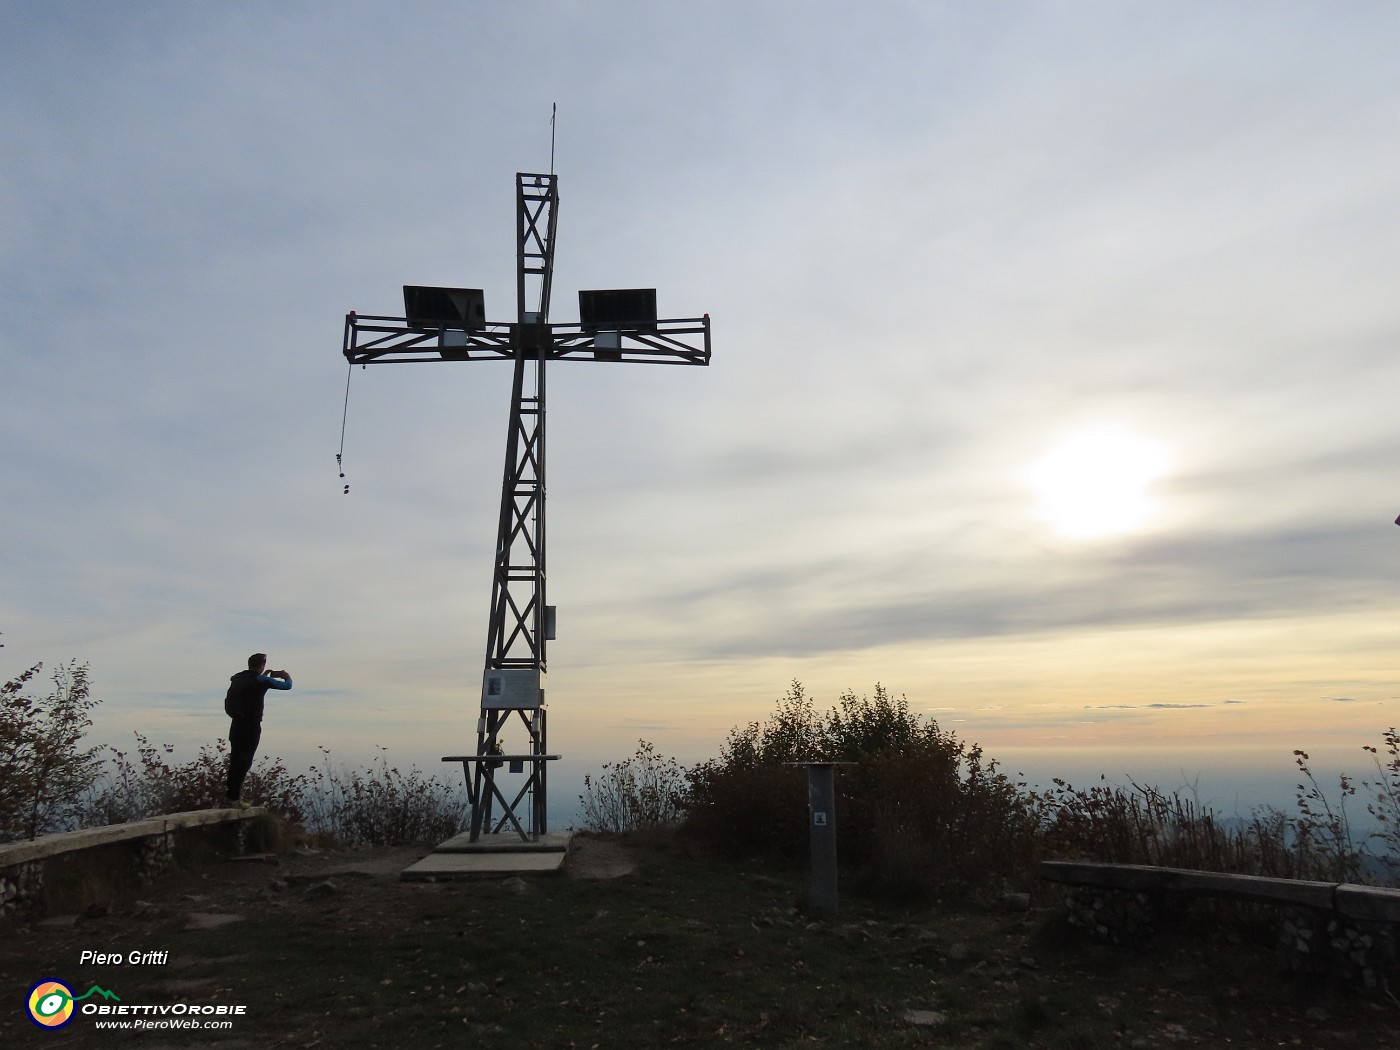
[244,705]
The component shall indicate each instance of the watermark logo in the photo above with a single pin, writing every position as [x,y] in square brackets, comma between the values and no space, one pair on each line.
[51,1002]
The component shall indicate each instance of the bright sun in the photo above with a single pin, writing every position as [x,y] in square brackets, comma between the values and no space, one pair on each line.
[1096,482]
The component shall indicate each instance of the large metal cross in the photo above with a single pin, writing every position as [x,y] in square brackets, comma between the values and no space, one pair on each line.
[449,324]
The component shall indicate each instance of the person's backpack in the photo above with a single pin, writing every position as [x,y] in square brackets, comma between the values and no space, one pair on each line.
[236,699]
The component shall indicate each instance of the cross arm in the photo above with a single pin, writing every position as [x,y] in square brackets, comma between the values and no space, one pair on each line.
[676,341]
[373,339]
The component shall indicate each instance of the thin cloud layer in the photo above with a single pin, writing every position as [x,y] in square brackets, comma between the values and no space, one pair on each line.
[932,242]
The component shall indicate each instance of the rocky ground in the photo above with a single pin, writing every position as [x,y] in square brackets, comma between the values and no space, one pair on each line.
[640,946]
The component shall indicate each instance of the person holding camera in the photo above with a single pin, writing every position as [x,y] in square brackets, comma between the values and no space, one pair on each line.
[244,705]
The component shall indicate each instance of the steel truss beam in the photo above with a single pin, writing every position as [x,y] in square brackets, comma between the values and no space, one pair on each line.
[372,340]
[515,636]
[483,791]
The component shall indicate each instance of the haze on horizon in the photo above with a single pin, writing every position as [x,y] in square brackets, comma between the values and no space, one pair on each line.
[1053,381]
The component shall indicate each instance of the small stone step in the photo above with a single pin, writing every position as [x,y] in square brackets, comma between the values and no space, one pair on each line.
[442,866]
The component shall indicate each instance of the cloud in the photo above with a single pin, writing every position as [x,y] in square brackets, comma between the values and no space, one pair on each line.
[930,242]
[826,600]
[1147,707]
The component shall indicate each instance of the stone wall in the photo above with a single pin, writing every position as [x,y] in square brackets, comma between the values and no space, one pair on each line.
[1357,954]
[1122,917]
[21,888]
[32,873]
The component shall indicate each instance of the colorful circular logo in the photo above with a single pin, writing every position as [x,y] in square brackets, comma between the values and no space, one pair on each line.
[50,1004]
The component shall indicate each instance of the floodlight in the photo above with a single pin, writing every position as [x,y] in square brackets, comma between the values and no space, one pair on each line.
[617,310]
[607,346]
[460,308]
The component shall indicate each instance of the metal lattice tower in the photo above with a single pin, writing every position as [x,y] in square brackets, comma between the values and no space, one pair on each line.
[448,324]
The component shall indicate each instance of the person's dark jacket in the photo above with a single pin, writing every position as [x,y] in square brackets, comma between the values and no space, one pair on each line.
[246,691]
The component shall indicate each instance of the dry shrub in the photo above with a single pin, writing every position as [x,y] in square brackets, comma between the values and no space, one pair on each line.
[382,806]
[747,801]
[150,784]
[1386,805]
[748,810]
[1134,825]
[639,793]
[937,816]
[376,806]
[1142,825]
[390,808]
[919,809]
[43,767]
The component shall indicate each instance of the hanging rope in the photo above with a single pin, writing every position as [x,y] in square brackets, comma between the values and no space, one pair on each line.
[344,416]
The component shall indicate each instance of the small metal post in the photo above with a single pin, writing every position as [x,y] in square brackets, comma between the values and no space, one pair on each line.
[821,800]
[821,807]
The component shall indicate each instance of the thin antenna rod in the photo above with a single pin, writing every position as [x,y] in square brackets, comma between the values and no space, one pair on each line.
[344,417]
[553,113]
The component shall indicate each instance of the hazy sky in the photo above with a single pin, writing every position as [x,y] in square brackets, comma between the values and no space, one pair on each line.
[1054,379]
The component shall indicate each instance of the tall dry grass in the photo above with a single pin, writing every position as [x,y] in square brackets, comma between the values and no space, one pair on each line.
[640,792]
[379,805]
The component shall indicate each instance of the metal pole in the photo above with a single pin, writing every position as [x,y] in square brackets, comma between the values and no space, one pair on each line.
[821,801]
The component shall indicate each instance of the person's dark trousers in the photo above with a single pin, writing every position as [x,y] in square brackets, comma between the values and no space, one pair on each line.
[243,737]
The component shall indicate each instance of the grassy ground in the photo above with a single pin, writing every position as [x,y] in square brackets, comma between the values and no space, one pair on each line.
[681,952]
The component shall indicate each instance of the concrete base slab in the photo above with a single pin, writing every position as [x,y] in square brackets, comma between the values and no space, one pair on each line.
[492,856]
[436,866]
[549,842]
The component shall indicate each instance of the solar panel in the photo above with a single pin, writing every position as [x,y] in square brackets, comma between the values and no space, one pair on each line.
[618,310]
[460,308]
